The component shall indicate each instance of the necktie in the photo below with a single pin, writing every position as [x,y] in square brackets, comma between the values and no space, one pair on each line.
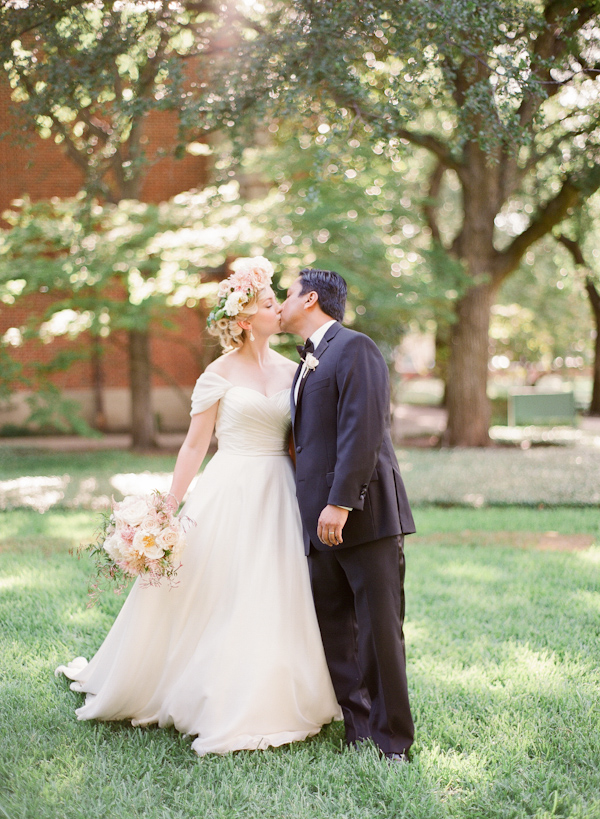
[303,350]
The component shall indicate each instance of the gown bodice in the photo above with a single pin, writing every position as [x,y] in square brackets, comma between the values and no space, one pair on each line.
[248,422]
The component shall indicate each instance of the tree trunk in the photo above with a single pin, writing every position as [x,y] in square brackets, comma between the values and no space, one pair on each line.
[99,421]
[442,354]
[143,433]
[594,298]
[469,410]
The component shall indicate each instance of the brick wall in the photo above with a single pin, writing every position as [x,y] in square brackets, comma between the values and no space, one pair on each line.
[178,351]
[42,170]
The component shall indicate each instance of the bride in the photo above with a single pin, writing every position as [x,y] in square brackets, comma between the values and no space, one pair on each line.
[232,655]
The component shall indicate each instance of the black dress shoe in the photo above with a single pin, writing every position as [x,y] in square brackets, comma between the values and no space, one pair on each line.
[397,759]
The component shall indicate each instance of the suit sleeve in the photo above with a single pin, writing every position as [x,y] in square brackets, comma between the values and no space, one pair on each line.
[362,418]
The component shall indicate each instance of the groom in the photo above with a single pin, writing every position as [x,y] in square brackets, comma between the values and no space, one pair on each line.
[354,511]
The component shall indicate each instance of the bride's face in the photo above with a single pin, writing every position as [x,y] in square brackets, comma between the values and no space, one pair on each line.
[266,319]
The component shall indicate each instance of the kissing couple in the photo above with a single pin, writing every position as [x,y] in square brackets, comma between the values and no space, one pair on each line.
[290,605]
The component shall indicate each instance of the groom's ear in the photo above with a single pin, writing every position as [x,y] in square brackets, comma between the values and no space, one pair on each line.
[310,299]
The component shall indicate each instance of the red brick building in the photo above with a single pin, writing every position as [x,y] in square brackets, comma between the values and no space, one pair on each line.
[43,171]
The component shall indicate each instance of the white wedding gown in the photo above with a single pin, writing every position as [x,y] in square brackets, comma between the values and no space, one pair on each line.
[233,654]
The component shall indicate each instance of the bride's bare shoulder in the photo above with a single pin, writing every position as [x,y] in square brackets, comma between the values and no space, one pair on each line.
[222,365]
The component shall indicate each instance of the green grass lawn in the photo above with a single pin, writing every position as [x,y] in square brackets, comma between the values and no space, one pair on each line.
[15,462]
[549,476]
[503,653]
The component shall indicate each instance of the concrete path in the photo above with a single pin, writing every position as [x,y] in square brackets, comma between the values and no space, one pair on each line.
[417,424]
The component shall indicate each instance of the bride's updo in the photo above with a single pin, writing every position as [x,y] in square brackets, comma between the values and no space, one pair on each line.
[237,299]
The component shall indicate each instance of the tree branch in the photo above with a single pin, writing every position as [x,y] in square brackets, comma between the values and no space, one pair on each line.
[537,157]
[549,46]
[593,295]
[72,151]
[21,21]
[589,71]
[95,129]
[431,204]
[576,252]
[436,146]
[148,72]
[550,215]
[440,149]
[573,247]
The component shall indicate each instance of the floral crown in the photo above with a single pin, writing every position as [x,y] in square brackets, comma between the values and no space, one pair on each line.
[250,276]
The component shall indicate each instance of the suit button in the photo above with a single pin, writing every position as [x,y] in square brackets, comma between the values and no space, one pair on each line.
[298,449]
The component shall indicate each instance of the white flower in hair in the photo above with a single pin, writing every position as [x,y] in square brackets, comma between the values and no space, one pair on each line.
[234,302]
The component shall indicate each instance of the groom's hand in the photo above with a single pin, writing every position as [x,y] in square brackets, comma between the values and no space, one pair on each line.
[331,522]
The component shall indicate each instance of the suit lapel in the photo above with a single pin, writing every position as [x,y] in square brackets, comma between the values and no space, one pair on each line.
[319,352]
[329,335]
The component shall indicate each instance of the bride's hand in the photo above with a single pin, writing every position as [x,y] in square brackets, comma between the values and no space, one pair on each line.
[171,502]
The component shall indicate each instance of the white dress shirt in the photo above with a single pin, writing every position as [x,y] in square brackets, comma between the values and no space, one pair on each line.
[316,338]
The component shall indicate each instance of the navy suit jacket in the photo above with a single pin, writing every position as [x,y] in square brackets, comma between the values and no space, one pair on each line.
[344,452]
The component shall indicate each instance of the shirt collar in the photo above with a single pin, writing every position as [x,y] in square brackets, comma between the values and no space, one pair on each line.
[317,336]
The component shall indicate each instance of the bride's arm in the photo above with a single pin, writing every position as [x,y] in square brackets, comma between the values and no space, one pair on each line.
[193,451]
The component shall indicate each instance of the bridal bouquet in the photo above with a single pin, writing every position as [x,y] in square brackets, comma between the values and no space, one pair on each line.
[139,537]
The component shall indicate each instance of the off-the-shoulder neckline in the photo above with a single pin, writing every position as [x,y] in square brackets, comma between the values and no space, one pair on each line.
[242,387]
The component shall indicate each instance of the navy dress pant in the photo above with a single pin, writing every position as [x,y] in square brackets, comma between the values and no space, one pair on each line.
[359,600]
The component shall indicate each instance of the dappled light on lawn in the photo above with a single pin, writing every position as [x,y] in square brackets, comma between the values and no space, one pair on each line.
[592,556]
[77,490]
[141,484]
[549,476]
[12,583]
[591,600]
[477,573]
[39,492]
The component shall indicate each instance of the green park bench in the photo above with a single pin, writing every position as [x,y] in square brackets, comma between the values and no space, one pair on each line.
[529,407]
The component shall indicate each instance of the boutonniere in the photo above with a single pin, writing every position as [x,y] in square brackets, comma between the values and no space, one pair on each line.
[311,361]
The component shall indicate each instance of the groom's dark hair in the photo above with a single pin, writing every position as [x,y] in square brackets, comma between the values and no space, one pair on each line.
[330,287]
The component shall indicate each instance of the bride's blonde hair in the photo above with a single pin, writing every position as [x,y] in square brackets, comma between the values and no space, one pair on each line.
[228,330]
[237,300]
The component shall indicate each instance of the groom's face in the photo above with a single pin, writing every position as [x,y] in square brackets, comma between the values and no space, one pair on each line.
[292,312]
